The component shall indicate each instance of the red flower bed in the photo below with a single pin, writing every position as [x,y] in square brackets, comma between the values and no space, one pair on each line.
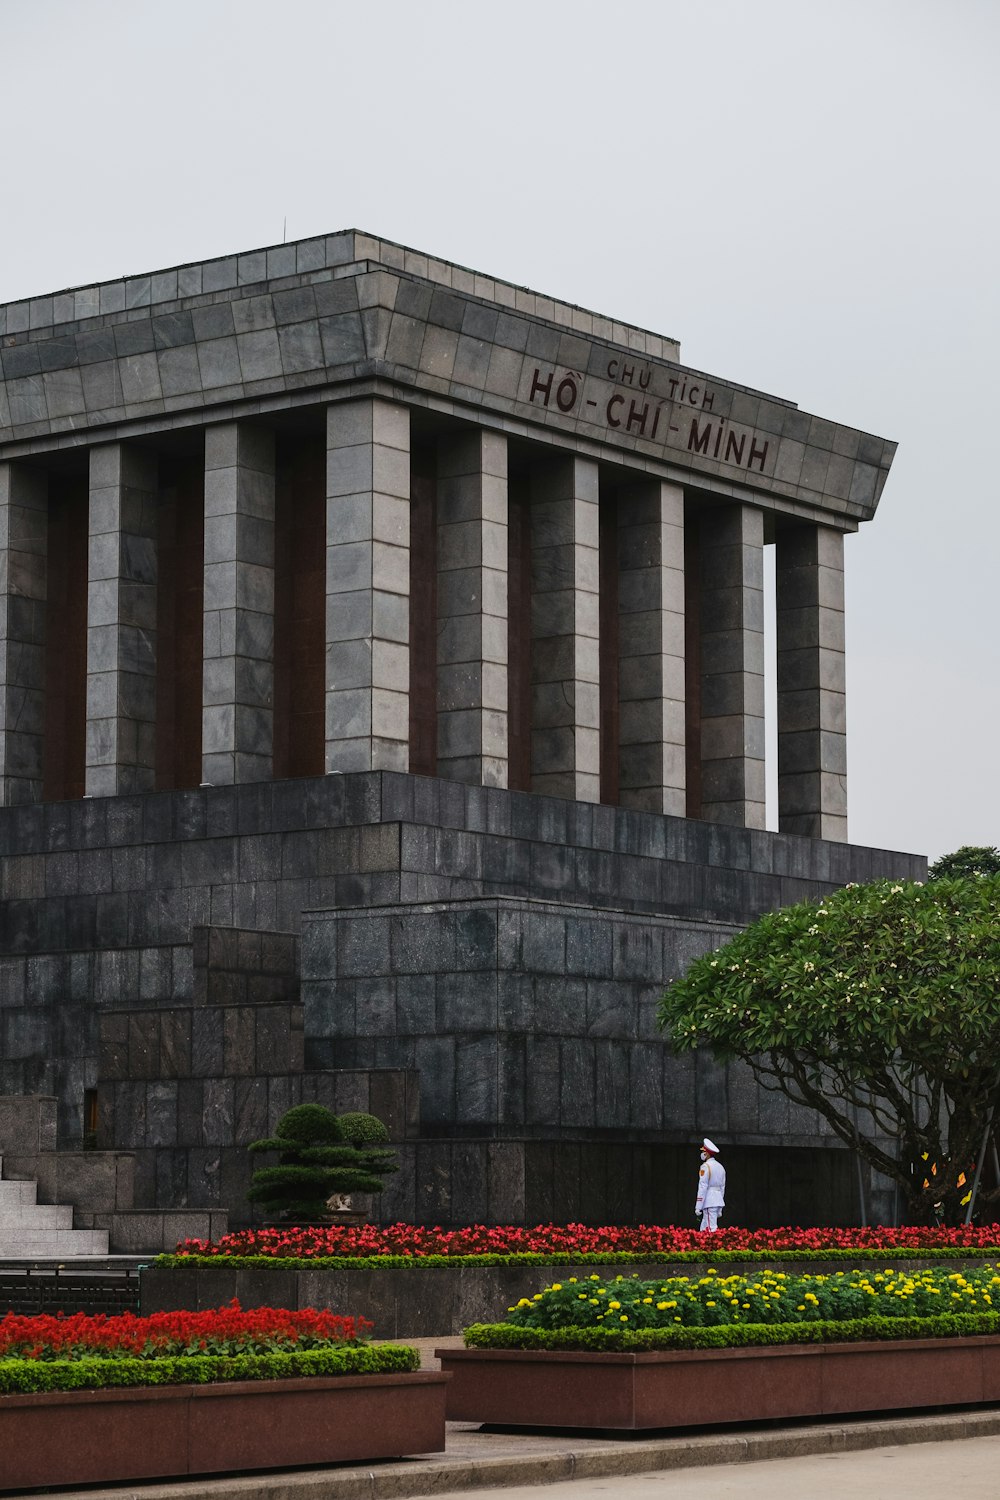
[223,1330]
[414,1241]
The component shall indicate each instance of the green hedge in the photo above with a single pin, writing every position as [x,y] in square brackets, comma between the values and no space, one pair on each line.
[731,1335]
[531,1258]
[94,1373]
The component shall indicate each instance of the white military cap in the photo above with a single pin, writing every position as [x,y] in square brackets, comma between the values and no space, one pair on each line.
[710,1146]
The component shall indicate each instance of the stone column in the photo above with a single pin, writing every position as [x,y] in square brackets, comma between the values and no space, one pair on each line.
[121,622]
[238,672]
[651,647]
[23,587]
[472,608]
[368,586]
[732,665]
[565,630]
[812,739]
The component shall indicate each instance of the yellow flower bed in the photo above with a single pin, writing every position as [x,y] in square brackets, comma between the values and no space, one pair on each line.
[767,1296]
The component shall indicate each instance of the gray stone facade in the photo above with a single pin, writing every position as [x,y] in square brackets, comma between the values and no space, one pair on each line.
[343,507]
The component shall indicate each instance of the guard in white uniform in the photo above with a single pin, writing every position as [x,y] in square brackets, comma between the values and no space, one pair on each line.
[711,1198]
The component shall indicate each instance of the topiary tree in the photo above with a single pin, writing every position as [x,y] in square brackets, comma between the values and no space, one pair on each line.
[968,862]
[362,1130]
[878,1006]
[318,1159]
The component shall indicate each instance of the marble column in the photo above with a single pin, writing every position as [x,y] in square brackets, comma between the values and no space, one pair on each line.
[238,670]
[732,665]
[23,588]
[368,586]
[812,737]
[651,692]
[472,608]
[565,629]
[121,621]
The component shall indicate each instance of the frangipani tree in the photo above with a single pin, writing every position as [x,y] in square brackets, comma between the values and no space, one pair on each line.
[971,860]
[877,1006]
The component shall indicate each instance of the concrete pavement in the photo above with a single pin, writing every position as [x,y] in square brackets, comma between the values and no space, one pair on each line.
[925,1471]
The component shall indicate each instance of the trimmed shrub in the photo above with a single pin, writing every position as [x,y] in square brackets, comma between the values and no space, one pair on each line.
[90,1373]
[603,1340]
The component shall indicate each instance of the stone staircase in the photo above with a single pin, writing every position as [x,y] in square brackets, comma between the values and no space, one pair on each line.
[31,1229]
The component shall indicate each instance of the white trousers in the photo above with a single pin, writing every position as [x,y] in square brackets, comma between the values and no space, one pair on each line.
[710,1220]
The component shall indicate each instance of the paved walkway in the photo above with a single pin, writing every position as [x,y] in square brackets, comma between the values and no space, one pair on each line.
[924,1471]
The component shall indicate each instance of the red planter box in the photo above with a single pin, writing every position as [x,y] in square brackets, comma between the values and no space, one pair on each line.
[696,1388]
[88,1437]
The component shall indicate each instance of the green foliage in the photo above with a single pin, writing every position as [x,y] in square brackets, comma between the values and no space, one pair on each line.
[202,1369]
[967,863]
[878,1006]
[362,1130]
[309,1124]
[730,1336]
[316,1160]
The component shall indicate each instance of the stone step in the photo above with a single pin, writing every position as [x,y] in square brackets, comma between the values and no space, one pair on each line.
[16,1217]
[14,1193]
[29,1228]
[23,1245]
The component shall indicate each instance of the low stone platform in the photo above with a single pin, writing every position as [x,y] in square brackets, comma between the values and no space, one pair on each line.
[408,1302]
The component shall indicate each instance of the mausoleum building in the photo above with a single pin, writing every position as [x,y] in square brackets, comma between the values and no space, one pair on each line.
[382,721]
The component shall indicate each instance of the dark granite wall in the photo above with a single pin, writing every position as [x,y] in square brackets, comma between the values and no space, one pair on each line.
[530,1027]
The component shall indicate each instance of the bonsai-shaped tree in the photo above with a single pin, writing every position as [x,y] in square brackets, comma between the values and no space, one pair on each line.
[320,1155]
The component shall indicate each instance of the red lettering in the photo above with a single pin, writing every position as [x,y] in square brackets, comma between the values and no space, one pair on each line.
[566,393]
[545,386]
[698,441]
[734,448]
[637,417]
[615,401]
[758,453]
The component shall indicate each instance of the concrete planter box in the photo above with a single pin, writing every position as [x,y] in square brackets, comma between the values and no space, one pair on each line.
[697,1388]
[105,1437]
[408,1302]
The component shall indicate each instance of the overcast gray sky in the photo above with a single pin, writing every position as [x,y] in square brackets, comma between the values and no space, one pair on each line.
[805,194]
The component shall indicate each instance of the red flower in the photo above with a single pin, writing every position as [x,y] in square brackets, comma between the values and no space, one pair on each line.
[415,1241]
[223,1330]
